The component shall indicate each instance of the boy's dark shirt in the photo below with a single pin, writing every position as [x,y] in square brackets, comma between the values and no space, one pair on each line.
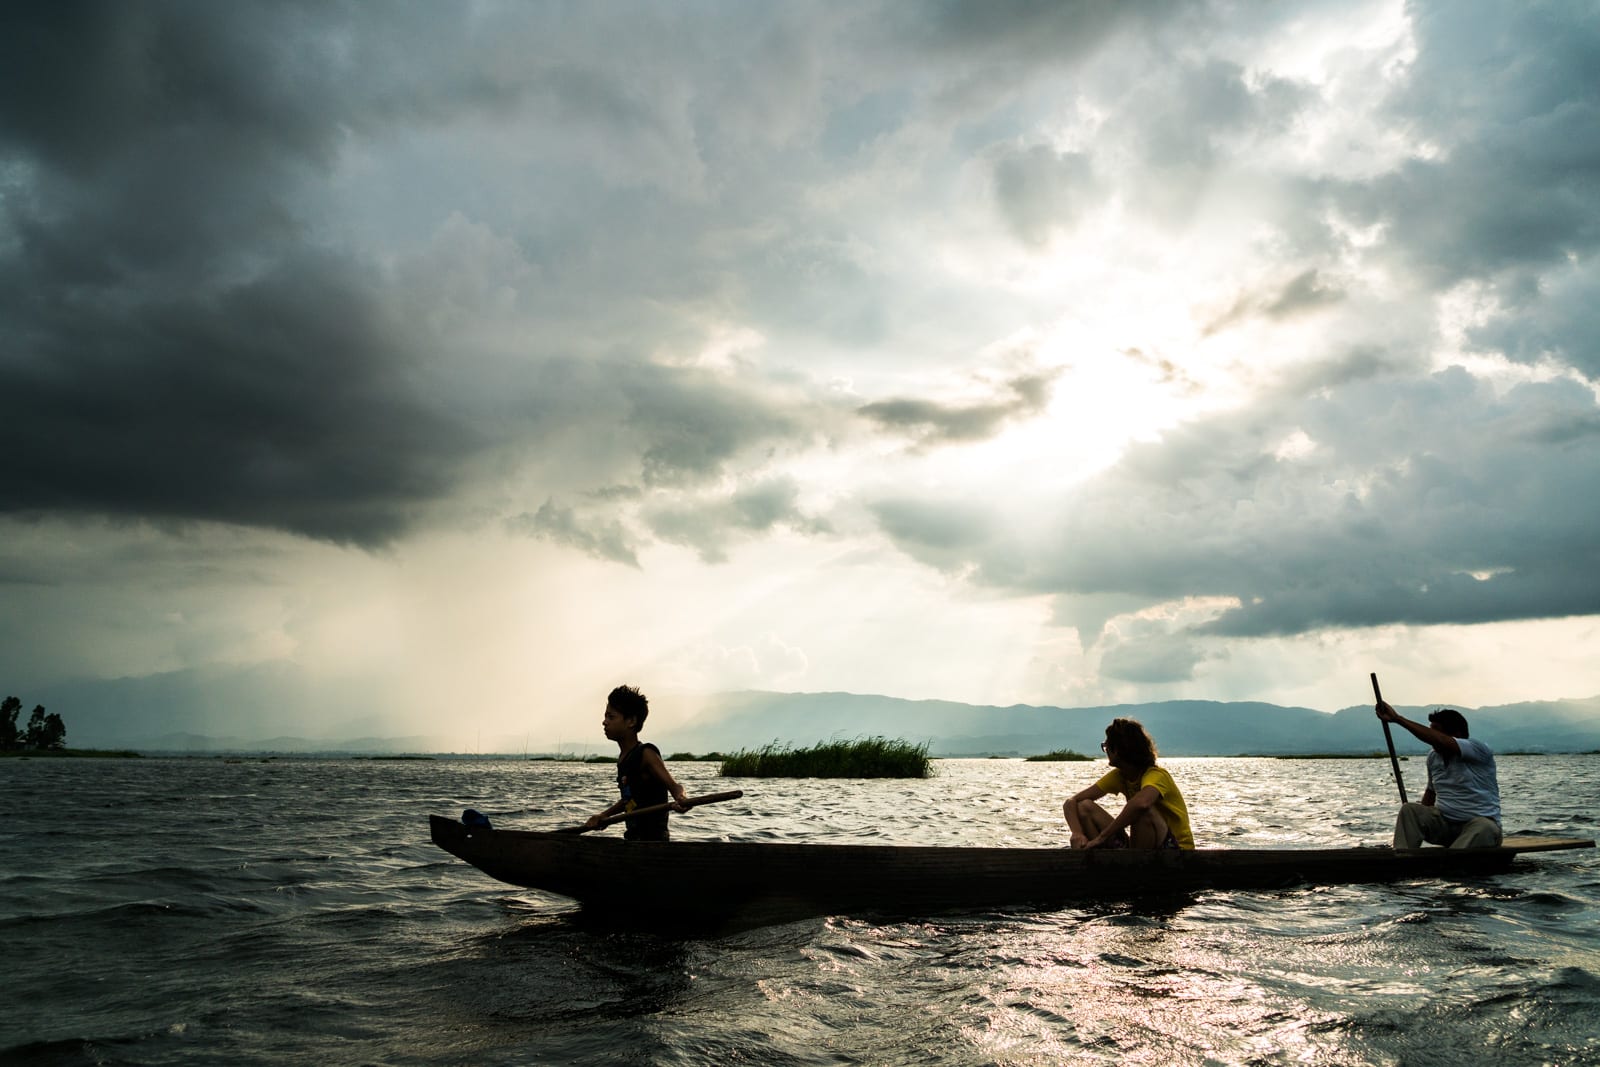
[643,789]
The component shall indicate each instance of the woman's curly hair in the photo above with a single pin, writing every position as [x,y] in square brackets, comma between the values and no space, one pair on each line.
[1132,743]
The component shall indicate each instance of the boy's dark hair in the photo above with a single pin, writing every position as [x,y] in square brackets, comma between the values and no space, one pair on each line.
[1450,721]
[1132,743]
[630,704]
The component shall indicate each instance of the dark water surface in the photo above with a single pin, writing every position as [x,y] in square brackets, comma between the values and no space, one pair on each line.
[293,911]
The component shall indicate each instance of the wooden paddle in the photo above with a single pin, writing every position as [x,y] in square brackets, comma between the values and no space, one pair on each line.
[1394,761]
[692,802]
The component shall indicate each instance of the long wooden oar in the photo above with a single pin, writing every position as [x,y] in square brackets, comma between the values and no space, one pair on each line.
[1394,761]
[692,802]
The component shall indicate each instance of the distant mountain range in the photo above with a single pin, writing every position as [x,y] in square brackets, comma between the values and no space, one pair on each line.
[233,712]
[1180,727]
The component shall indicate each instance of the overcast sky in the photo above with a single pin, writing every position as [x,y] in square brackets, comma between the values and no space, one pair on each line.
[463,360]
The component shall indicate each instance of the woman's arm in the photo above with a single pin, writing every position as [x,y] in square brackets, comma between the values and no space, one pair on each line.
[1137,804]
[1070,810]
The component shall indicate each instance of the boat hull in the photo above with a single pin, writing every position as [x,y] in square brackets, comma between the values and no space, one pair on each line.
[758,881]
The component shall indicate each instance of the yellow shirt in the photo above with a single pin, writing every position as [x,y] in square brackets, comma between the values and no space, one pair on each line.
[1169,804]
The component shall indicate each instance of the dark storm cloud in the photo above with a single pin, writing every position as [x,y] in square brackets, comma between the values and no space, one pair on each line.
[711,525]
[1558,320]
[708,524]
[191,327]
[1027,30]
[1148,655]
[175,343]
[1040,190]
[950,536]
[1306,291]
[932,423]
[1424,502]
[1430,502]
[1187,130]
[1188,116]
[1508,99]
[279,403]
[187,330]
[88,83]
[671,431]
[689,424]
[605,539]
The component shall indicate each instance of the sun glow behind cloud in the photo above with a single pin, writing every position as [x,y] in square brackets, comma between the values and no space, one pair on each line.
[1042,354]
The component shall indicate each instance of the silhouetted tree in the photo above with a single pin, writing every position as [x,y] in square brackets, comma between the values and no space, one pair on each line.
[9,737]
[35,735]
[54,733]
[42,732]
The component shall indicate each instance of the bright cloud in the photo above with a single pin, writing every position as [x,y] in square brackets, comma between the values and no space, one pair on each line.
[484,357]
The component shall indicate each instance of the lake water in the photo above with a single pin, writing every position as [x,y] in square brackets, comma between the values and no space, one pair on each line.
[200,911]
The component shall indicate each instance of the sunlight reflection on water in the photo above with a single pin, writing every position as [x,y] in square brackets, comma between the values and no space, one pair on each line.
[171,911]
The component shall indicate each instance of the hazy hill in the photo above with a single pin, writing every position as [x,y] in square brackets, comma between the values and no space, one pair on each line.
[1181,727]
[275,708]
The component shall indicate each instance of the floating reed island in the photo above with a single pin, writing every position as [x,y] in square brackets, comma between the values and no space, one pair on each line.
[1061,755]
[870,757]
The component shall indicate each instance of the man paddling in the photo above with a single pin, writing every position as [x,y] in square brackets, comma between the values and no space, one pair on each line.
[1461,806]
[642,776]
[1155,815]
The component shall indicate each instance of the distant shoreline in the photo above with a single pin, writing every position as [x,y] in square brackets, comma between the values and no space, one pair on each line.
[71,753]
[261,755]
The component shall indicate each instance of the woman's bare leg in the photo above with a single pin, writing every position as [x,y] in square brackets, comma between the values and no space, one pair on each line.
[1149,830]
[1092,817]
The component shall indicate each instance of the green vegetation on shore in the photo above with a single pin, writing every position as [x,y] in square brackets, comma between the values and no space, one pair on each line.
[1061,755]
[872,757]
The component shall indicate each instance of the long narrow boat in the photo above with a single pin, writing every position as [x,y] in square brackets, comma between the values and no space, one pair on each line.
[752,882]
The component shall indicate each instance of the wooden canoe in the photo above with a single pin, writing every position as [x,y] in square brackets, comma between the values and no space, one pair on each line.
[752,882]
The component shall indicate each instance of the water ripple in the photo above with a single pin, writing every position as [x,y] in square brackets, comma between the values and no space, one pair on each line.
[200,911]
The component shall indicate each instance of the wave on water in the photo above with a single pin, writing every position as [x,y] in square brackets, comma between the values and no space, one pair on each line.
[199,911]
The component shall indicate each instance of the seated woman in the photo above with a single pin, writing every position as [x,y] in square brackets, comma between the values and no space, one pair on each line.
[1154,816]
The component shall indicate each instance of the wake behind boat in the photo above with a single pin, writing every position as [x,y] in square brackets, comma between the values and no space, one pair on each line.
[748,882]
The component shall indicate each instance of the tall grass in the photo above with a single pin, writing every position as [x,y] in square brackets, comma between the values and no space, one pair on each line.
[871,757]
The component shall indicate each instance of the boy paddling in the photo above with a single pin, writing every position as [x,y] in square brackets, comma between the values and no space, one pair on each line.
[642,776]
